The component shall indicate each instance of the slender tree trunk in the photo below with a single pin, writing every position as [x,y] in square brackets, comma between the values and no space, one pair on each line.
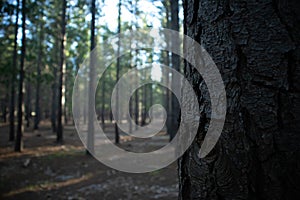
[144,102]
[38,78]
[85,108]
[166,54]
[13,80]
[77,99]
[110,112]
[136,97]
[130,117]
[167,100]
[28,103]
[117,136]
[91,97]
[129,120]
[59,130]
[54,101]
[65,94]
[136,102]
[256,46]
[103,111]
[150,95]
[175,107]
[18,142]
[103,104]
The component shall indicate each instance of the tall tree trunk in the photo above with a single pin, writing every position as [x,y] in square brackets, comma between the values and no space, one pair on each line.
[65,94]
[103,104]
[144,102]
[175,108]
[130,117]
[117,136]
[59,130]
[13,80]
[166,61]
[18,142]
[150,97]
[27,103]
[38,78]
[54,101]
[256,46]
[91,108]
[136,96]
[85,108]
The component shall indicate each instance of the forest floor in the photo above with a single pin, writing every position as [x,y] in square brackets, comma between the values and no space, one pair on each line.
[46,170]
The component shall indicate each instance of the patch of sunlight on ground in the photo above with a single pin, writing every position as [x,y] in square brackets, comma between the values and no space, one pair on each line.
[50,185]
[39,151]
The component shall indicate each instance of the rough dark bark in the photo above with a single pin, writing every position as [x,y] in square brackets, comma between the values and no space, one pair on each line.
[13,78]
[256,48]
[175,107]
[59,130]
[19,142]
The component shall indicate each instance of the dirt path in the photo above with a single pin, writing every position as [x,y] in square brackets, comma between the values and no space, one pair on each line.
[45,170]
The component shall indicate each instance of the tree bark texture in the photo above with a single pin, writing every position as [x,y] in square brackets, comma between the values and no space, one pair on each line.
[255,45]
[175,60]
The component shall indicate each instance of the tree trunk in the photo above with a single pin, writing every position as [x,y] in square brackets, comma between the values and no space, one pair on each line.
[18,142]
[28,103]
[117,136]
[136,96]
[91,96]
[136,52]
[144,102]
[103,103]
[65,96]
[54,101]
[13,80]
[38,78]
[175,108]
[166,54]
[255,45]
[59,130]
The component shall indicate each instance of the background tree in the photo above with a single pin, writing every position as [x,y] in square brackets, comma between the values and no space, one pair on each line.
[117,135]
[13,78]
[92,79]
[38,68]
[18,143]
[256,48]
[61,73]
